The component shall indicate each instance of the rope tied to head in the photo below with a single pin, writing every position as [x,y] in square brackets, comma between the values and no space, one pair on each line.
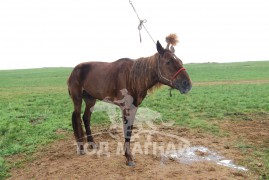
[140,28]
[141,24]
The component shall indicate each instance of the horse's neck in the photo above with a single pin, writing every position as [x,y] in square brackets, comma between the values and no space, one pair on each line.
[153,76]
[144,75]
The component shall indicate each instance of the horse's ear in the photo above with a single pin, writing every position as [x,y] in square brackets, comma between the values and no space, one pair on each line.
[172,49]
[160,49]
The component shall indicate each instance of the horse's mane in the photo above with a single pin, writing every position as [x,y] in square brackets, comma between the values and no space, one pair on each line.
[142,72]
[144,69]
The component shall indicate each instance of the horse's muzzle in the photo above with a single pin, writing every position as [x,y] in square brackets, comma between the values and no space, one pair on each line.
[184,86]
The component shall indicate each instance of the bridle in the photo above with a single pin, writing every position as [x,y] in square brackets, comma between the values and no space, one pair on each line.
[173,77]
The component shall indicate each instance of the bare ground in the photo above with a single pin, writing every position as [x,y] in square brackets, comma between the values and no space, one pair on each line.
[60,161]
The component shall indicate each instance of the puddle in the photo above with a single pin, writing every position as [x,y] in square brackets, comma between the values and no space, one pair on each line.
[199,153]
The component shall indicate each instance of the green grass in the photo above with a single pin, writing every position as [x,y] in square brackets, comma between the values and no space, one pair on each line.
[212,102]
[35,104]
[228,71]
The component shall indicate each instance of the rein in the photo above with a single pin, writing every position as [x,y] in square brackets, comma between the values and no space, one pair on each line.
[173,77]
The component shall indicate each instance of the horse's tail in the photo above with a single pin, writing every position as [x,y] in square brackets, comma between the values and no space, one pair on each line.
[74,80]
[69,92]
[68,85]
[69,82]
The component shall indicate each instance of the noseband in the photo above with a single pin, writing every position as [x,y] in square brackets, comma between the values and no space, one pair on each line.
[173,77]
[177,73]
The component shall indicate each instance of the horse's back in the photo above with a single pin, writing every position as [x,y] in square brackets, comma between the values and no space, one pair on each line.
[101,79]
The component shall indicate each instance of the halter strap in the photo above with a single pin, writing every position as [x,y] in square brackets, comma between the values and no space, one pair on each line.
[177,73]
[173,77]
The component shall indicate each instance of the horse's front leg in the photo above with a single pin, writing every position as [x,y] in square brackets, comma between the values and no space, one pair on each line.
[128,120]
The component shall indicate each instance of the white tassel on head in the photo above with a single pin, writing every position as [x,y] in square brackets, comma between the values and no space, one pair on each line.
[172,39]
[171,42]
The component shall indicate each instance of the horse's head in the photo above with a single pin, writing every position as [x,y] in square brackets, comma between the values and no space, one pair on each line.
[170,68]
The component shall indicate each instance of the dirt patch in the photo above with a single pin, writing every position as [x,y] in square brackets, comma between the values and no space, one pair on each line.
[60,161]
[250,137]
[254,131]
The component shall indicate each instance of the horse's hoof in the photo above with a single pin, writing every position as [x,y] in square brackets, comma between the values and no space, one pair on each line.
[92,145]
[130,163]
[81,152]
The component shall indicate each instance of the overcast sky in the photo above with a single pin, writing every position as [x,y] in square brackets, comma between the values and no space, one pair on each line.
[53,33]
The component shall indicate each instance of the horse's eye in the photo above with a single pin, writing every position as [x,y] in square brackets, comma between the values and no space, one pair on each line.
[168,62]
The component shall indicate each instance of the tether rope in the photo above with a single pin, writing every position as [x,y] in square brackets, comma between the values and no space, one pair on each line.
[141,24]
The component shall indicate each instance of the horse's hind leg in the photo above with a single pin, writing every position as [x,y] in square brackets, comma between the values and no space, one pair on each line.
[90,102]
[76,121]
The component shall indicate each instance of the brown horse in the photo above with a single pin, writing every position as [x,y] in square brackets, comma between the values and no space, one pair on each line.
[124,82]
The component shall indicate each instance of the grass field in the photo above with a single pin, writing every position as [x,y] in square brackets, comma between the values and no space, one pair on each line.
[34,105]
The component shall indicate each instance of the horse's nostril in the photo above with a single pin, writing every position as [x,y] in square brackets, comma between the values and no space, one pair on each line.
[185,83]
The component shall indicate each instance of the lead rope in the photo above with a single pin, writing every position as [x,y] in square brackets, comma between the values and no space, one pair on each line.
[141,24]
[170,89]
